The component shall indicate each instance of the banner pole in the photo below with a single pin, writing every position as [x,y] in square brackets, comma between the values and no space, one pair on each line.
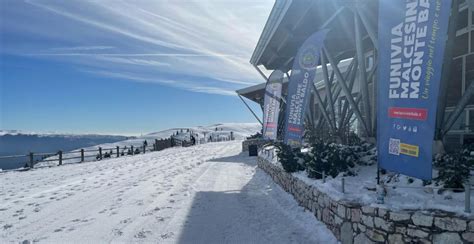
[250,109]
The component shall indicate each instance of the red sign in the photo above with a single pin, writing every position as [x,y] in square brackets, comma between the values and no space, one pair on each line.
[408,113]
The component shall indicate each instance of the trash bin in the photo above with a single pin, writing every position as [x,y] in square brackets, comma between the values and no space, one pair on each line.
[253,150]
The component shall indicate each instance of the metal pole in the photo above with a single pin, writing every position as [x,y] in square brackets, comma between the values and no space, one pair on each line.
[60,153]
[378,173]
[250,109]
[343,185]
[328,84]
[368,27]
[467,197]
[260,72]
[31,160]
[459,108]
[321,106]
[445,73]
[362,71]
[346,91]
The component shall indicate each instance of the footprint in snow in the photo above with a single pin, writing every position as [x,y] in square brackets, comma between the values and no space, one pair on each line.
[7,226]
[142,234]
[167,235]
[59,230]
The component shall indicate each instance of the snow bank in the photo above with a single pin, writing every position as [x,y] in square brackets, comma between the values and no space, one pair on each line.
[401,194]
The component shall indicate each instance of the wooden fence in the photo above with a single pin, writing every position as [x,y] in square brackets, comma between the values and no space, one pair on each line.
[99,153]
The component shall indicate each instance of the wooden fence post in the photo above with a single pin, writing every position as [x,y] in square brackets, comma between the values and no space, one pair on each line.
[60,153]
[100,153]
[144,149]
[133,152]
[118,151]
[82,155]
[31,160]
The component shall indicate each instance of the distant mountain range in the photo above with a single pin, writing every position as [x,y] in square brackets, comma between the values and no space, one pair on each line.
[17,143]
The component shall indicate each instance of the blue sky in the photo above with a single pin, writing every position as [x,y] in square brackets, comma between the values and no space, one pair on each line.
[126,67]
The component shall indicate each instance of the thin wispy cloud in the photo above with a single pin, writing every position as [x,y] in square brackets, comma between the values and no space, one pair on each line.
[207,44]
[81,48]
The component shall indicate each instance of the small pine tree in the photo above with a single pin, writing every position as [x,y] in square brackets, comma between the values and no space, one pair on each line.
[288,158]
[453,170]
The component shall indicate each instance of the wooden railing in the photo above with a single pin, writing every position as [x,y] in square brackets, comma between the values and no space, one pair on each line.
[82,155]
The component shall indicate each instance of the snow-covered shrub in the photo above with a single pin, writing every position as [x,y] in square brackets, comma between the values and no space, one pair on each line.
[257,135]
[353,139]
[330,158]
[290,158]
[367,153]
[453,169]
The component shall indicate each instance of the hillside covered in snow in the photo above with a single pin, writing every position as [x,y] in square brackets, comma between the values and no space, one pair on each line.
[239,130]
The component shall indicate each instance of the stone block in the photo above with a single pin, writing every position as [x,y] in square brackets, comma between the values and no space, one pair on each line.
[422,220]
[395,239]
[468,236]
[346,233]
[471,225]
[355,215]
[399,216]
[375,235]
[401,230]
[362,227]
[341,211]
[447,238]
[337,220]
[368,210]
[362,239]
[368,221]
[417,233]
[384,225]
[382,213]
[451,224]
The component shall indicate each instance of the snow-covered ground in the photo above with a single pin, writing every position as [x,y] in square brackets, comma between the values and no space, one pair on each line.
[209,193]
[401,194]
[240,131]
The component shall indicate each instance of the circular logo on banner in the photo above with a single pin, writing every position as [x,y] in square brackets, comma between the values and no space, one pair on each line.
[308,58]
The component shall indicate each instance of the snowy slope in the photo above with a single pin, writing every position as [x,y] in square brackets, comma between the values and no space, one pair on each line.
[240,130]
[208,193]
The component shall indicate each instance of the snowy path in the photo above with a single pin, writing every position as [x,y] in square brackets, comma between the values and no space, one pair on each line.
[204,194]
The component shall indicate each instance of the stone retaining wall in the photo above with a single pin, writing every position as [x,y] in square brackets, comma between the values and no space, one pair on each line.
[352,223]
[247,143]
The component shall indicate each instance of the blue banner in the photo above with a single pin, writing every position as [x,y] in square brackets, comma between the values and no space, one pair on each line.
[302,74]
[271,107]
[412,37]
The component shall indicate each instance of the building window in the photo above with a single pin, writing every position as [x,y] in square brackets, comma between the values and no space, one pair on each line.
[461,45]
[462,21]
[369,62]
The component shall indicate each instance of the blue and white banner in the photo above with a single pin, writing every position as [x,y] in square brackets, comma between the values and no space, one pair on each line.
[299,88]
[412,37]
[271,107]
